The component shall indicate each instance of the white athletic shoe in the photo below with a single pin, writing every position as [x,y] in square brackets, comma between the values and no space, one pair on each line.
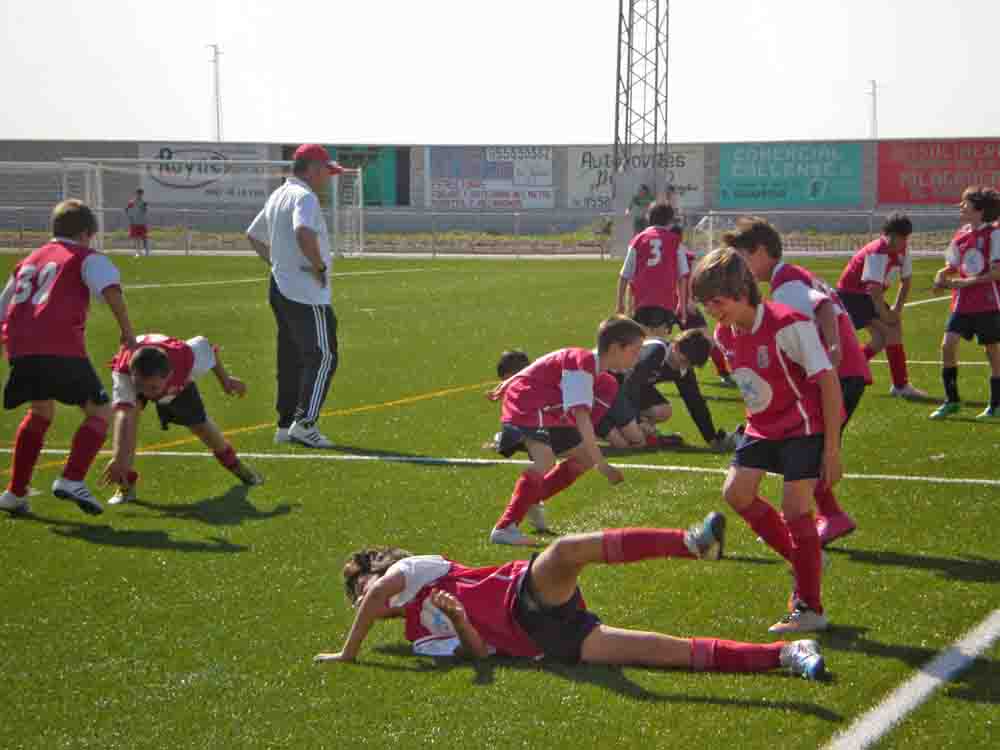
[67,489]
[14,504]
[800,620]
[536,517]
[908,391]
[307,434]
[510,535]
[281,436]
[705,540]
[124,494]
[803,659]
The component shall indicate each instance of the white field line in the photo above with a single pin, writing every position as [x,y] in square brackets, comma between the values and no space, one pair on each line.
[459,461]
[926,301]
[936,362]
[872,726]
[263,279]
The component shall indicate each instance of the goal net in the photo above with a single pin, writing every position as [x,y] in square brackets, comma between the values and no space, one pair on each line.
[28,191]
[200,202]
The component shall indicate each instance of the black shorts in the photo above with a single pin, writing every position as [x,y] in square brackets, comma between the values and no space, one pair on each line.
[650,396]
[558,631]
[695,319]
[859,306]
[985,326]
[42,377]
[622,412]
[560,439]
[187,409]
[852,388]
[793,458]
[655,317]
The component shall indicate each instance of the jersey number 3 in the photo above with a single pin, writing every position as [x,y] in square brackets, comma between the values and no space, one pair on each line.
[655,253]
[31,279]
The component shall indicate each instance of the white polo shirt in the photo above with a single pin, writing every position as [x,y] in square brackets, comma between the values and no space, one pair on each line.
[291,206]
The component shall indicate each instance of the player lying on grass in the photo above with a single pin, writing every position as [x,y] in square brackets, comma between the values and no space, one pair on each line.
[534,608]
[794,410]
[163,370]
[44,310]
[802,290]
[632,420]
[972,272]
[548,406]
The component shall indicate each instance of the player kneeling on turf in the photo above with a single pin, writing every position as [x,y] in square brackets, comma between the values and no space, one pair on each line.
[534,608]
[163,370]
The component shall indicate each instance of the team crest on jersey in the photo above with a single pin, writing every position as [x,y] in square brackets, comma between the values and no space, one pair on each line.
[974,262]
[763,358]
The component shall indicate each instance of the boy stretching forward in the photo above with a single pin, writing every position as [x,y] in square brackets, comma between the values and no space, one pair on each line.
[547,406]
[44,310]
[794,413]
[163,370]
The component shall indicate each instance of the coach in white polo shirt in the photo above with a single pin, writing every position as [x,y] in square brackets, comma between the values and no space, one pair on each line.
[290,234]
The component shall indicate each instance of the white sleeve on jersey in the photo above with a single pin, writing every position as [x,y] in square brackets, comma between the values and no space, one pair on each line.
[577,389]
[906,271]
[99,273]
[628,267]
[952,257]
[874,269]
[258,228]
[801,297]
[204,356]
[683,269]
[418,571]
[122,389]
[995,246]
[441,646]
[6,296]
[800,342]
[307,213]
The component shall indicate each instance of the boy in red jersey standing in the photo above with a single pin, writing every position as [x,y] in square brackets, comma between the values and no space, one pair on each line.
[801,290]
[44,307]
[972,272]
[794,412]
[547,407]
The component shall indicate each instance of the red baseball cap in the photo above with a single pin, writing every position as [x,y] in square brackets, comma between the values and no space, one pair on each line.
[315,152]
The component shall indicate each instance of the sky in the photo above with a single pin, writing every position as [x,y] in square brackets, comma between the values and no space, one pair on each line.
[517,72]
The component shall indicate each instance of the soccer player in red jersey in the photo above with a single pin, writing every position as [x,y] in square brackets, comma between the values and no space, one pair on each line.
[44,307]
[534,608]
[794,410]
[656,271]
[972,272]
[802,290]
[137,211]
[548,406]
[862,287]
[163,370]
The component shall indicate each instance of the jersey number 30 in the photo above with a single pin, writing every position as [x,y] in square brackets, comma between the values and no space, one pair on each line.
[30,279]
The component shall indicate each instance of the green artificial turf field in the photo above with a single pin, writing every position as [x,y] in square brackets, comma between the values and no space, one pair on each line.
[189,618]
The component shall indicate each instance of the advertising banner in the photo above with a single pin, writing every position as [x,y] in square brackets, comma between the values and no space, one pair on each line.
[491,177]
[935,172]
[199,173]
[592,171]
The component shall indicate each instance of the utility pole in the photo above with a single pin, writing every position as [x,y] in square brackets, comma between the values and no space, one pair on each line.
[217,93]
[873,93]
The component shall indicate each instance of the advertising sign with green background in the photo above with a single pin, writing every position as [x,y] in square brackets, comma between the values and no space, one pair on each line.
[386,171]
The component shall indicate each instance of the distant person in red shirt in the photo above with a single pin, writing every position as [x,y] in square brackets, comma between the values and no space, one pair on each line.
[534,608]
[972,272]
[44,308]
[163,370]
[794,410]
[137,211]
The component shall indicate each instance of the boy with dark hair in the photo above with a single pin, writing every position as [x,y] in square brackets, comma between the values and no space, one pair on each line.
[805,292]
[163,370]
[794,413]
[862,287]
[656,271]
[137,212]
[548,407]
[534,608]
[972,272]
[44,310]
[512,362]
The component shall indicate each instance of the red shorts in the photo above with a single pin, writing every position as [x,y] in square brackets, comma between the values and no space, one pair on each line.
[138,231]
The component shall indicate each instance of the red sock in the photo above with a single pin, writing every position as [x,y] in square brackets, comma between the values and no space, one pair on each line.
[717,655]
[869,352]
[719,360]
[28,443]
[632,545]
[897,365]
[527,492]
[559,477]
[769,526]
[807,561]
[227,457]
[86,445]
[826,501]
[133,476]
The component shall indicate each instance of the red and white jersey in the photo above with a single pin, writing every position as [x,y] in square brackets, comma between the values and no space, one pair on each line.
[874,264]
[656,260]
[544,392]
[488,595]
[47,299]
[776,365]
[973,252]
[802,290]
[189,360]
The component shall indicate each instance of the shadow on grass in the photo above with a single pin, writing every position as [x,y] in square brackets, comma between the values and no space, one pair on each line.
[980,683]
[971,568]
[611,678]
[415,459]
[230,509]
